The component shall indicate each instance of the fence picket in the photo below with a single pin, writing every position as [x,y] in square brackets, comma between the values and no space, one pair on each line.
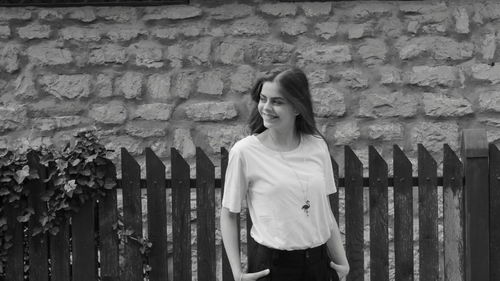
[83,246]
[334,198]
[494,212]
[403,216]
[60,253]
[14,268]
[132,217]
[157,216]
[428,214]
[227,274]
[37,243]
[354,214]
[453,216]
[181,216]
[379,241]
[108,236]
[205,213]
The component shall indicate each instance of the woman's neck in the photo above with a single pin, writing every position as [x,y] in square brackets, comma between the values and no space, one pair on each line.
[283,141]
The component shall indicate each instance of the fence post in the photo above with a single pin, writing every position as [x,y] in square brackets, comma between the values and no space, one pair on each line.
[475,156]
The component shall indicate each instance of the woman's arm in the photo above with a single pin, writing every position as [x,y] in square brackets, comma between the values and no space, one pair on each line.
[337,253]
[230,236]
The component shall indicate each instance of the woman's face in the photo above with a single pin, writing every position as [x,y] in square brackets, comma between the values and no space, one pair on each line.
[276,111]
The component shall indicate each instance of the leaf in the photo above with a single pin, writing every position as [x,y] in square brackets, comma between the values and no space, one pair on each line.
[5,179]
[22,174]
[91,158]
[75,162]
[4,191]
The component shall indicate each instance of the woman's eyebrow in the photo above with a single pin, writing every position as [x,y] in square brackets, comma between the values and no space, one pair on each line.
[273,98]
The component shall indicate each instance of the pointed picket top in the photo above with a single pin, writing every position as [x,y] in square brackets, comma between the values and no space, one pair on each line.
[129,164]
[424,156]
[400,160]
[451,166]
[203,163]
[152,160]
[180,163]
[350,155]
[376,158]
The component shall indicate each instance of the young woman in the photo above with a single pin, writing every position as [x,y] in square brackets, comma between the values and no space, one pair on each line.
[283,170]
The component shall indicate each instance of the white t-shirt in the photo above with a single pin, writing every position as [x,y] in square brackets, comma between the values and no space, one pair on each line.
[276,186]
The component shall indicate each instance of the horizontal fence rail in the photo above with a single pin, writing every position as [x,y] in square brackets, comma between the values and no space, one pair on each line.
[88,246]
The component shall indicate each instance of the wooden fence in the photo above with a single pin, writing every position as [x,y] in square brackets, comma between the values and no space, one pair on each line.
[471,202]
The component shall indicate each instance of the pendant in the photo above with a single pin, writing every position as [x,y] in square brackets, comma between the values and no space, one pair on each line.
[306,207]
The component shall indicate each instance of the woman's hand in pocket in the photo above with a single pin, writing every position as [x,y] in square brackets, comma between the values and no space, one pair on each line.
[341,269]
[253,276]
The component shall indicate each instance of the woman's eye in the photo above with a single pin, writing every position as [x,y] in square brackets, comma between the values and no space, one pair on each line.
[262,98]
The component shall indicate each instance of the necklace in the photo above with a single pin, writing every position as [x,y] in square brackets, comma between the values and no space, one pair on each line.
[305,187]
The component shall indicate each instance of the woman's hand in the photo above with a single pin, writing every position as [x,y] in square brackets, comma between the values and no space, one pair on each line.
[253,276]
[342,270]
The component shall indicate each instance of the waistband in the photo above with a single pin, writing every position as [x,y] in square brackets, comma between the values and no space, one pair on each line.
[297,256]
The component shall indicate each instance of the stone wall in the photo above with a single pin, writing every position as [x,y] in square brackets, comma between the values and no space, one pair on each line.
[382,73]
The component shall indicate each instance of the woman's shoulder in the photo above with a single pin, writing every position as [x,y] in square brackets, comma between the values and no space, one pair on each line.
[244,143]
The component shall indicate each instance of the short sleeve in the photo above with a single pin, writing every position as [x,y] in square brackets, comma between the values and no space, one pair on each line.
[329,177]
[235,184]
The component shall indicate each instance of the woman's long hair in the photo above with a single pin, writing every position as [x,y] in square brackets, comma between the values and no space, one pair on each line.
[294,87]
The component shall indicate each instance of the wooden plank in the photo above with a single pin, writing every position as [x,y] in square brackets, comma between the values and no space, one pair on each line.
[334,198]
[428,214]
[227,274]
[132,217]
[354,214]
[37,243]
[494,212]
[181,212]
[205,212]
[157,216]
[14,268]
[379,231]
[476,197]
[403,216]
[108,235]
[60,253]
[453,216]
[83,243]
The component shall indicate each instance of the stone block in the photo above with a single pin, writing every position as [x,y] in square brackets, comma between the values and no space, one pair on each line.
[316,9]
[376,103]
[440,105]
[53,14]
[9,57]
[293,27]
[113,112]
[433,135]
[117,14]
[108,53]
[84,14]
[158,87]
[34,31]
[390,75]
[485,72]
[428,76]
[390,26]
[369,10]
[175,12]
[80,34]
[326,30]
[230,11]
[7,14]
[154,111]
[223,135]
[489,46]
[385,131]
[242,79]
[269,52]
[183,83]
[489,101]
[231,51]
[183,142]
[190,30]
[50,107]
[211,111]
[324,54]
[198,52]
[66,86]
[486,11]
[104,85]
[461,20]
[4,31]
[346,132]
[12,117]
[328,101]
[59,122]
[129,85]
[318,76]
[50,53]
[441,48]
[147,53]
[352,78]
[211,83]
[146,129]
[118,33]
[253,25]
[373,51]
[175,54]
[279,9]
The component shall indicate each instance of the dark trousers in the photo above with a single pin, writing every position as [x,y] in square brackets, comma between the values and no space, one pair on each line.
[299,265]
